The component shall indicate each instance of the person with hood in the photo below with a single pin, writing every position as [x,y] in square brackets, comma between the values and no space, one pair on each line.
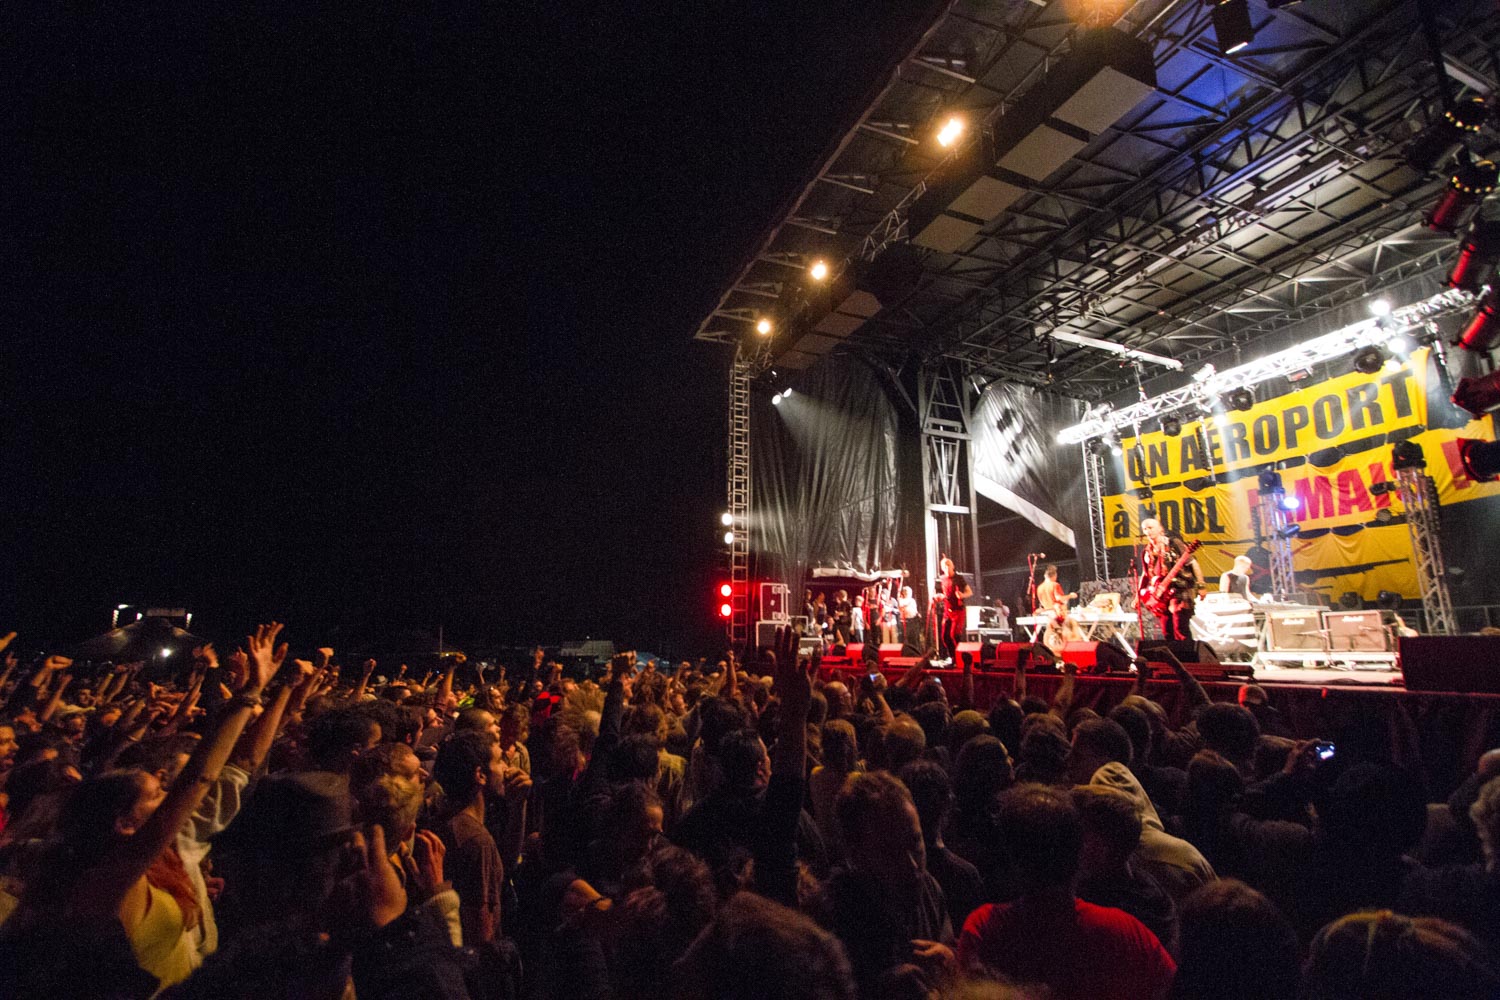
[1176,865]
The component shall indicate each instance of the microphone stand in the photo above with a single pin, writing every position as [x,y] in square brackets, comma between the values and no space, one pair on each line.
[1031,558]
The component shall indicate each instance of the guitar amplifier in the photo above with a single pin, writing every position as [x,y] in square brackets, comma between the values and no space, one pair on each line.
[1350,631]
[1294,631]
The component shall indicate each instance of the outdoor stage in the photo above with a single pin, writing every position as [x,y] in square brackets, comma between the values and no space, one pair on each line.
[1440,735]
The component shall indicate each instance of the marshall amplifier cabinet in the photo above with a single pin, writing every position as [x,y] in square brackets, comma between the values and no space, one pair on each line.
[1356,631]
[1294,631]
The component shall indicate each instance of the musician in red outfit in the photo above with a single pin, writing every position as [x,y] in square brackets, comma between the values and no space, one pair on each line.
[1159,555]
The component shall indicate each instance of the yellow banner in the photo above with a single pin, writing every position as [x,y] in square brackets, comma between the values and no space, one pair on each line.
[1334,442]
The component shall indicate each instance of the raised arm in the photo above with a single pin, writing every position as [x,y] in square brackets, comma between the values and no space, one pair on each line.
[776,854]
[1196,696]
[1062,702]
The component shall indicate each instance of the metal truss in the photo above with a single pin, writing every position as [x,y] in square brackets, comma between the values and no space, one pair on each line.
[945,408]
[1276,538]
[1203,392]
[1093,486]
[1419,496]
[737,496]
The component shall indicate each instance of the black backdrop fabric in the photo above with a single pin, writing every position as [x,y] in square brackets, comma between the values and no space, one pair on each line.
[827,484]
[1015,447]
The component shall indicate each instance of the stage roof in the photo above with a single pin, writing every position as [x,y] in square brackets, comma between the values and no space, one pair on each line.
[1241,194]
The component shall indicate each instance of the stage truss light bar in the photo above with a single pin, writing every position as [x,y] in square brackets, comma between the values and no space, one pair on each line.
[1119,349]
[1200,394]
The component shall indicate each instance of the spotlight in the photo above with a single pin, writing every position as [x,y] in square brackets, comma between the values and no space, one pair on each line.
[1144,492]
[776,399]
[1481,458]
[1479,252]
[1203,374]
[1399,345]
[1469,183]
[725,590]
[1437,143]
[1096,446]
[819,270]
[1407,455]
[1482,330]
[950,132]
[1388,601]
[1478,395]
[165,652]
[1115,449]
[763,326]
[1369,360]
[726,610]
[1348,600]
[1384,516]
[1232,26]
[1381,488]
[1171,426]
[1289,531]
[1380,308]
[728,538]
[1290,503]
[1270,481]
[1240,399]
[786,393]
[726,519]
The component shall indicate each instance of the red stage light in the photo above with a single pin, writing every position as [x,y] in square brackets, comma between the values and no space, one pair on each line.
[1478,395]
[1477,256]
[1481,458]
[1469,183]
[725,610]
[1482,331]
[725,590]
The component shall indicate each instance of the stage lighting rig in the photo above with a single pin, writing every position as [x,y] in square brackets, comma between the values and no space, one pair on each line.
[1270,482]
[1438,142]
[1481,458]
[1240,399]
[1478,395]
[1232,27]
[1470,182]
[1482,330]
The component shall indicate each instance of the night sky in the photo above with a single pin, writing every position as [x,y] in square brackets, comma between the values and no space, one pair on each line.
[383,323]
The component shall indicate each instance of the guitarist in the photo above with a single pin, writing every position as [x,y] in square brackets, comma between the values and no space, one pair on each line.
[1160,554]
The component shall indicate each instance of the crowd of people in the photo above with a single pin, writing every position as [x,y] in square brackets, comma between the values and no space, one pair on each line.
[260,825]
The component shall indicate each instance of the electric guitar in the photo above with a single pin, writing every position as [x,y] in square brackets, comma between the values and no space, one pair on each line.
[1154,589]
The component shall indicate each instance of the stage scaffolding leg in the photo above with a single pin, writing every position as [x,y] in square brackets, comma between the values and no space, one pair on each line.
[1273,523]
[1093,484]
[1419,496]
[945,409]
[737,494]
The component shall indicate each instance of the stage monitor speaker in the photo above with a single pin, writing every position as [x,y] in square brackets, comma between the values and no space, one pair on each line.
[888,651]
[1186,650]
[855,651]
[765,633]
[1294,631]
[1041,657]
[1350,631]
[901,662]
[1009,655]
[979,652]
[1460,663]
[1096,657]
[809,645]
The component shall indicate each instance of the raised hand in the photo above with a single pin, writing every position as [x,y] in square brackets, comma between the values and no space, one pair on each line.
[265,657]
[369,667]
[239,668]
[58,662]
[425,864]
[206,654]
[7,639]
[376,895]
[325,655]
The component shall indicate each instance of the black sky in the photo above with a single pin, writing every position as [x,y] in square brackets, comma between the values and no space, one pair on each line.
[381,322]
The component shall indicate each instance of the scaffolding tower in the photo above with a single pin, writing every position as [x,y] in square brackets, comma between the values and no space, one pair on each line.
[1093,485]
[737,495]
[1276,535]
[1419,496]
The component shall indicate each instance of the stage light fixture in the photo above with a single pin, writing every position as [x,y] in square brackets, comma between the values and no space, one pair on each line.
[1407,455]
[1290,503]
[1388,600]
[1479,252]
[1381,488]
[1289,531]
[166,652]
[1115,449]
[1204,374]
[1399,345]
[1437,143]
[952,129]
[726,590]
[818,271]
[1481,458]
[1479,395]
[1240,399]
[1369,360]
[776,399]
[1480,334]
[1348,600]
[1096,446]
[1384,515]
[1171,426]
[728,538]
[763,326]
[1470,182]
[786,393]
[1270,481]
[726,610]
[1380,308]
[1232,27]
[726,519]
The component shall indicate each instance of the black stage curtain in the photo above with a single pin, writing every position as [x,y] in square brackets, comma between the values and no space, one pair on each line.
[1015,449]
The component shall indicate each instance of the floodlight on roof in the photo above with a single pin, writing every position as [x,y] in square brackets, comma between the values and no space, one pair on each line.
[1232,27]
[818,271]
[763,326]
[952,129]
[1380,308]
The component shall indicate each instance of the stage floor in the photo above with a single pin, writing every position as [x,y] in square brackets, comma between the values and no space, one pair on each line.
[1275,673]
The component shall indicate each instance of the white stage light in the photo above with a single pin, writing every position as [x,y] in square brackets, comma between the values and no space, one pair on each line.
[819,270]
[1380,308]
[728,538]
[786,392]
[726,519]
[951,130]
[763,326]
[776,399]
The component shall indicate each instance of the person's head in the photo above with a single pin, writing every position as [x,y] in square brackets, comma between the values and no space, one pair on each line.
[756,949]
[905,592]
[107,807]
[1384,955]
[669,898]
[904,742]
[634,821]
[982,768]
[1050,573]
[1233,944]
[387,786]
[1006,717]
[1375,810]
[964,727]
[1111,829]
[840,748]
[1096,742]
[931,793]
[839,702]
[1137,727]
[859,600]
[467,763]
[647,719]
[1213,784]
[335,738]
[1043,756]
[7,745]
[1242,565]
[477,720]
[841,595]
[947,565]
[1229,730]
[820,598]
[637,757]
[881,830]
[1152,529]
[1485,812]
[1041,835]
[1270,756]
[746,764]
[934,718]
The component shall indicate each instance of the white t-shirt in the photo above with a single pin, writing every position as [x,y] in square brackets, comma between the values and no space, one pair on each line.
[908,608]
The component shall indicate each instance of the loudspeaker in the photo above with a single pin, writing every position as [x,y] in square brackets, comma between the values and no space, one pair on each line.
[1042,657]
[888,650]
[1009,655]
[765,633]
[855,651]
[1292,631]
[1186,650]
[1096,657]
[1356,630]
[807,645]
[975,651]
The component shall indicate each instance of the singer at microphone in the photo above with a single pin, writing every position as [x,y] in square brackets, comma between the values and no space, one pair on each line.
[1050,596]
